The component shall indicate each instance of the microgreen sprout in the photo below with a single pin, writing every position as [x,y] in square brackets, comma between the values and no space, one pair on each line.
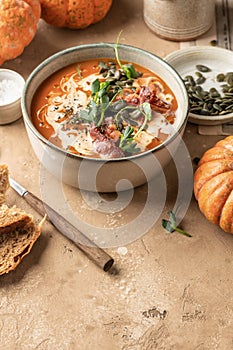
[127,68]
[171,225]
[99,91]
[145,109]
[90,113]
[126,141]
[100,102]
[79,71]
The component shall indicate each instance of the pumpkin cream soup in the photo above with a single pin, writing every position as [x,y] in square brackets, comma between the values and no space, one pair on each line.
[104,109]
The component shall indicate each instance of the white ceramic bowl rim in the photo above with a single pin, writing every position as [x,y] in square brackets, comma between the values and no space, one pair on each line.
[16,77]
[95,46]
[187,54]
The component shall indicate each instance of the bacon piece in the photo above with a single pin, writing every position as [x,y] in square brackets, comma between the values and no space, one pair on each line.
[133,99]
[148,94]
[104,145]
[112,132]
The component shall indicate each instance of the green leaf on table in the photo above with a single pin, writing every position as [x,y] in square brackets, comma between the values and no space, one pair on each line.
[171,226]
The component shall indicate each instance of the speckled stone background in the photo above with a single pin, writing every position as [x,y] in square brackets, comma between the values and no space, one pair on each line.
[166,291]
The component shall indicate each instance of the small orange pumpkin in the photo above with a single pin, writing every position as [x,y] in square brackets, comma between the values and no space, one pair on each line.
[75,14]
[18,26]
[213,184]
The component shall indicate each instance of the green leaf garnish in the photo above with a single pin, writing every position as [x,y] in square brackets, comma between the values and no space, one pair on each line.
[145,109]
[127,143]
[99,91]
[95,86]
[130,71]
[127,132]
[171,226]
[90,114]
[128,68]
[100,102]
[172,218]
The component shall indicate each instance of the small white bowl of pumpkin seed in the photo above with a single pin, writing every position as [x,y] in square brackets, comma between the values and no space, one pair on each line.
[208,76]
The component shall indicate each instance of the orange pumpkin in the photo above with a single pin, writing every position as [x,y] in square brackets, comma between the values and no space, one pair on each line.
[18,26]
[213,184]
[74,14]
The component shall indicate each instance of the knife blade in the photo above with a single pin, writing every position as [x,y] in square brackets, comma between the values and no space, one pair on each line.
[88,247]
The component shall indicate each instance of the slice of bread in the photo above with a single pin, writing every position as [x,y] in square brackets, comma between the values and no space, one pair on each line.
[17,243]
[12,218]
[18,231]
[4,182]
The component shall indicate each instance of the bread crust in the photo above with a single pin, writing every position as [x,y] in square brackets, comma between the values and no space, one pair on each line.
[4,182]
[18,231]
[12,218]
[16,244]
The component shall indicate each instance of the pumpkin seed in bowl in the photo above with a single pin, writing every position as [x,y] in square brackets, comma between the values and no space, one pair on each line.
[208,76]
[215,101]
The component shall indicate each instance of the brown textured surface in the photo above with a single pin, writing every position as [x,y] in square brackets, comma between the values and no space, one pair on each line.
[165,292]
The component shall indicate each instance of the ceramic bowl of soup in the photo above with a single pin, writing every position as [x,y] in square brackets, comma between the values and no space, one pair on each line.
[104,117]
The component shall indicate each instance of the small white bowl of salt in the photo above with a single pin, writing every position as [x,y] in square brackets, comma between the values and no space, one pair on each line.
[11,88]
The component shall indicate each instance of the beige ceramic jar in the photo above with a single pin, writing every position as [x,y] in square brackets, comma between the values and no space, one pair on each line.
[179,20]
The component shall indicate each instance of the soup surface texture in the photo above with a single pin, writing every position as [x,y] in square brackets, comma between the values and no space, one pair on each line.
[104,109]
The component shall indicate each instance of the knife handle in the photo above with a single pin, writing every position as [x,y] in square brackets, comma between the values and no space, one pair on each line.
[88,247]
[35,203]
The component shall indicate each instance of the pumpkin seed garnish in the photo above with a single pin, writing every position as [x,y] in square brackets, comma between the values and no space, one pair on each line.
[220,77]
[213,42]
[213,101]
[203,68]
[201,80]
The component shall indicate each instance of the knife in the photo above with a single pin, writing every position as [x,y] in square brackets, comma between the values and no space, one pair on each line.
[88,247]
